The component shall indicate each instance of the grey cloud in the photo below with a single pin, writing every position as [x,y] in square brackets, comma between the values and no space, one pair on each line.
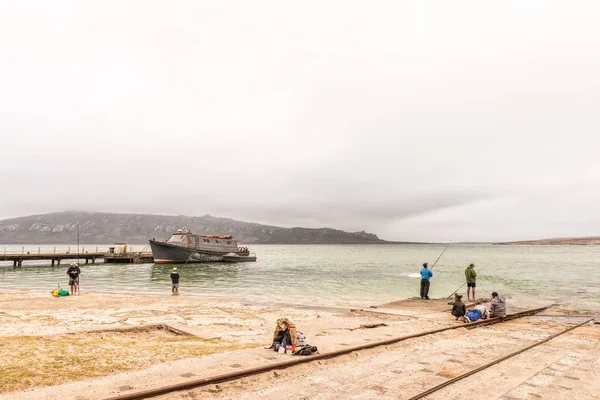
[421,121]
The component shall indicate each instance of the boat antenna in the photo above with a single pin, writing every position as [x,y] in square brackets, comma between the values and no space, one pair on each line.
[443,251]
[460,287]
[191,223]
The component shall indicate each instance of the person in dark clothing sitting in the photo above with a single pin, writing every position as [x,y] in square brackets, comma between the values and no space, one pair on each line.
[458,307]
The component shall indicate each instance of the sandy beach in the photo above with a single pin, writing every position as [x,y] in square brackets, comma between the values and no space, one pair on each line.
[99,345]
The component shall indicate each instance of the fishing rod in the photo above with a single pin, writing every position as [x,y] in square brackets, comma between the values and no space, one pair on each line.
[443,251]
[451,294]
[78,243]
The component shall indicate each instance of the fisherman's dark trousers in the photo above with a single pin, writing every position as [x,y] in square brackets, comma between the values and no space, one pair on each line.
[424,288]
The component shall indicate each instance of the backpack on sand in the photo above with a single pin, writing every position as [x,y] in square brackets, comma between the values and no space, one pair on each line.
[305,350]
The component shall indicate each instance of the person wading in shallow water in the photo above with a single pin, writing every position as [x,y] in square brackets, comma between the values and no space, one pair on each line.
[175,281]
[471,276]
[426,275]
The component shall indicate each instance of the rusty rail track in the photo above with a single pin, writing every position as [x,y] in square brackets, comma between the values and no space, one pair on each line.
[499,360]
[302,360]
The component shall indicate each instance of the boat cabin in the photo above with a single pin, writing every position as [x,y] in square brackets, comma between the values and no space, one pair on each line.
[203,242]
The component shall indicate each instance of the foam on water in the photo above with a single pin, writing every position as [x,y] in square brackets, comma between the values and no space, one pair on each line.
[412,275]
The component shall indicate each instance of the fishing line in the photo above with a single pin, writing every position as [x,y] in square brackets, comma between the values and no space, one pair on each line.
[188,260]
[78,243]
[443,251]
[144,249]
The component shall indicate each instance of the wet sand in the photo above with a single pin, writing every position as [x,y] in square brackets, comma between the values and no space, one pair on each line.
[98,345]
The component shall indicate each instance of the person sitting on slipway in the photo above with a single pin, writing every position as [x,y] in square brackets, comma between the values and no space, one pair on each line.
[497,306]
[458,307]
[479,311]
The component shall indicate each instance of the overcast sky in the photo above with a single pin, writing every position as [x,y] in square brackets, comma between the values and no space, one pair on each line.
[418,120]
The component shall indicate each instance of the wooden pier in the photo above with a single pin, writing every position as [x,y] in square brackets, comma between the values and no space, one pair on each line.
[56,258]
[129,258]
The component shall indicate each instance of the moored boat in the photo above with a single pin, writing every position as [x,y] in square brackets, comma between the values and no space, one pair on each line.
[186,247]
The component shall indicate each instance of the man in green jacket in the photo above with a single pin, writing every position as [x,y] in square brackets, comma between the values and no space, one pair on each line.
[471,276]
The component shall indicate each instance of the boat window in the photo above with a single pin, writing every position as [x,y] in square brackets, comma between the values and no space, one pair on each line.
[206,240]
[229,242]
[218,241]
[177,239]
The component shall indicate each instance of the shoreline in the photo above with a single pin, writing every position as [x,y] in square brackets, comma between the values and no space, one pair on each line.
[239,299]
[103,341]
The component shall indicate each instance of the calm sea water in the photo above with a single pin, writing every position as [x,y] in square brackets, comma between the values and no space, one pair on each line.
[346,275]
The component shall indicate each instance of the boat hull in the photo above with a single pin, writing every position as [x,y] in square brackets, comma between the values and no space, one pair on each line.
[165,253]
[239,258]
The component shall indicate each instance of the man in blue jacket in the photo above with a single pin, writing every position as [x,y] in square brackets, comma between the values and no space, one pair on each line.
[426,275]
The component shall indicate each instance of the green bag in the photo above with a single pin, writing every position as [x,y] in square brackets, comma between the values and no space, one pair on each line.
[63,292]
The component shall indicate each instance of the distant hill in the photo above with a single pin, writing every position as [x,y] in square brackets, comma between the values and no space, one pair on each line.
[589,241]
[105,228]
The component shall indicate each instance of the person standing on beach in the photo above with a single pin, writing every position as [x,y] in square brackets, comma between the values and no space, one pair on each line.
[175,281]
[471,276]
[73,273]
[426,275]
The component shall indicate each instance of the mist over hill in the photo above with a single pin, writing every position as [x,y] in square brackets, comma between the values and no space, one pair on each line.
[104,228]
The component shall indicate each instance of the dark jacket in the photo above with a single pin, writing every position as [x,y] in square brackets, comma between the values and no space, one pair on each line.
[73,272]
[459,309]
[175,277]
